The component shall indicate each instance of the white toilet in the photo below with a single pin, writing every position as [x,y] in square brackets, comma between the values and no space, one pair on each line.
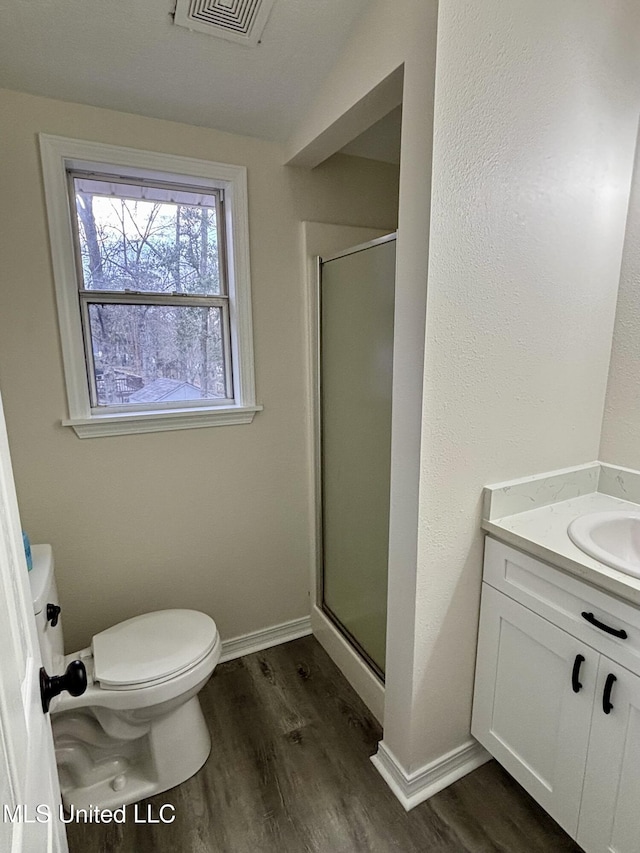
[138,729]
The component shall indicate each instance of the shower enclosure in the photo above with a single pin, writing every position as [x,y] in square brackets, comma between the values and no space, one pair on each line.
[355,358]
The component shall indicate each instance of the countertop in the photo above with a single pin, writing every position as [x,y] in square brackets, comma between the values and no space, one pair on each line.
[542,532]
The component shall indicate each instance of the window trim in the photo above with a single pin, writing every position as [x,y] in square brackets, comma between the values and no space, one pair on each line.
[58,154]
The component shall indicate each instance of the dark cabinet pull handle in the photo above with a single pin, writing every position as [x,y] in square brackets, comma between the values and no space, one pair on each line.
[575,675]
[607,707]
[616,632]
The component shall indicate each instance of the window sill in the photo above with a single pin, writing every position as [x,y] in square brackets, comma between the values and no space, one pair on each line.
[138,422]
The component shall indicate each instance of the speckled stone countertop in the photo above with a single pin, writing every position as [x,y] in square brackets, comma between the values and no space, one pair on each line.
[533,514]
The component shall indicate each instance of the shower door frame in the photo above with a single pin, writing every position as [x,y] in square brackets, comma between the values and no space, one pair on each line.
[317,419]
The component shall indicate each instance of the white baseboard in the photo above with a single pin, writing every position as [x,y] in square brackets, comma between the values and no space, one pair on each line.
[367,685]
[416,787]
[264,639]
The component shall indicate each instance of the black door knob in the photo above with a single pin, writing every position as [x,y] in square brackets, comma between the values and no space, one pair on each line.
[74,680]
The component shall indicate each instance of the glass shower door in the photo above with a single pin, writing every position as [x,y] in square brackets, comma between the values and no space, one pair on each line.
[356,358]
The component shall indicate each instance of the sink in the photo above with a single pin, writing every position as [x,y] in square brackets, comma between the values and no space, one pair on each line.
[613,538]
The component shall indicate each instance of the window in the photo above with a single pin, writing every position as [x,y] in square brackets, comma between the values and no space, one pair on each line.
[150,257]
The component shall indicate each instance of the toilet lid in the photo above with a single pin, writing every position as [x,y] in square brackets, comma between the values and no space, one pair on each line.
[152,647]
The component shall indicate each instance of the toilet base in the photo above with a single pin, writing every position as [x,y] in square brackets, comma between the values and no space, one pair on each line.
[97,770]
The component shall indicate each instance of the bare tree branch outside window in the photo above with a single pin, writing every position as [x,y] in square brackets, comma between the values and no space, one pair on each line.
[151,346]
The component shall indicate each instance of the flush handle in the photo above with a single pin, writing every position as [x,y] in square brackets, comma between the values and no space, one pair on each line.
[53,611]
[74,680]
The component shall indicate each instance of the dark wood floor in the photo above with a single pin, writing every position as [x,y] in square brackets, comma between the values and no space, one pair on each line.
[289,772]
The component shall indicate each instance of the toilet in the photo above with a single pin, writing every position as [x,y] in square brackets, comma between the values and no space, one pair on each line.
[138,728]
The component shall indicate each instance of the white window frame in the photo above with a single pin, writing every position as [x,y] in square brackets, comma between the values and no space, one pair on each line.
[59,154]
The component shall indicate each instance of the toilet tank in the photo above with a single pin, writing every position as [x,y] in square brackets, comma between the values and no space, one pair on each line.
[44,592]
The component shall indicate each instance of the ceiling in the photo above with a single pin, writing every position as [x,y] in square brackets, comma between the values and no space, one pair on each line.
[129,56]
[381,141]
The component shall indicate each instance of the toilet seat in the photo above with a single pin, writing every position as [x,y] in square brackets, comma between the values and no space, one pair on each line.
[152,648]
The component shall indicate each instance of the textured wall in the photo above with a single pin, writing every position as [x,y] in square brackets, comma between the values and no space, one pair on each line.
[535,123]
[621,423]
[216,519]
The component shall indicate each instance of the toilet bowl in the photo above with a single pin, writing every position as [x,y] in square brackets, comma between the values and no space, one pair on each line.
[138,728]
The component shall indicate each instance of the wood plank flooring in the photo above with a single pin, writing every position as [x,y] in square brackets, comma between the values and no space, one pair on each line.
[289,772]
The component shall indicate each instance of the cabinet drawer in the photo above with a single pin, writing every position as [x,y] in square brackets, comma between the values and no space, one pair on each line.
[562,599]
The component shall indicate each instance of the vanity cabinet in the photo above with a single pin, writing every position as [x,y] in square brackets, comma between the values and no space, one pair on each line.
[557,696]
[610,811]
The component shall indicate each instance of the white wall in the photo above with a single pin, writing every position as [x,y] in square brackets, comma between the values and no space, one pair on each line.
[216,519]
[536,110]
[536,114]
[621,424]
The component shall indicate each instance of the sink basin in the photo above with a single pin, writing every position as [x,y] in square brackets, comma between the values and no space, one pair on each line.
[613,538]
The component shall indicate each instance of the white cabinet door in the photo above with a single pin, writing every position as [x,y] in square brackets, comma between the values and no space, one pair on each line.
[610,813]
[526,711]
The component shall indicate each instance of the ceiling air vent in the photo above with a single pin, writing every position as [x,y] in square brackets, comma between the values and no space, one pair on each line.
[242,21]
